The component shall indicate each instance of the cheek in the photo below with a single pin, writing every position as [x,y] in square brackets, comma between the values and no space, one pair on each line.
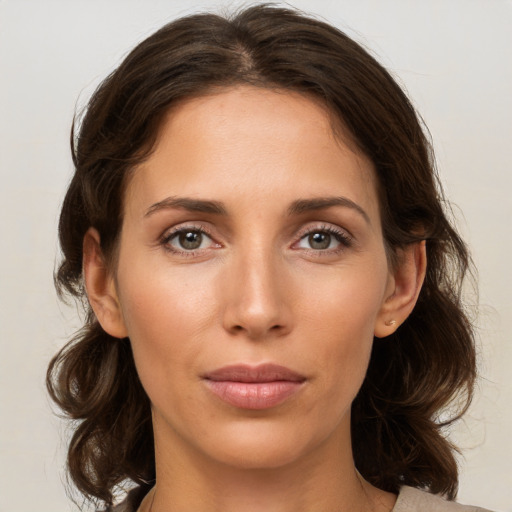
[343,349]
[160,298]
[340,316]
[166,316]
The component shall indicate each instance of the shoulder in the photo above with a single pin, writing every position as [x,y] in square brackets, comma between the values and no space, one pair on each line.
[409,500]
[414,500]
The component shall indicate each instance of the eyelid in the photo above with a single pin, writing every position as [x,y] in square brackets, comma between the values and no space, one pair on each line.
[170,233]
[344,237]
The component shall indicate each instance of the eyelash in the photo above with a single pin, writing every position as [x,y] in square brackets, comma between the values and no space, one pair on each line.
[345,240]
[169,235]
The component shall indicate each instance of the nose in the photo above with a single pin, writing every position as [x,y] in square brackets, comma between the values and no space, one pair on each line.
[257,301]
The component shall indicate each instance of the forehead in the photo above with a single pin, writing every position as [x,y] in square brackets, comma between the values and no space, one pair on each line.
[269,141]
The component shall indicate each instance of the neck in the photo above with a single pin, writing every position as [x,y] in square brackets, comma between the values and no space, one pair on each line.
[319,482]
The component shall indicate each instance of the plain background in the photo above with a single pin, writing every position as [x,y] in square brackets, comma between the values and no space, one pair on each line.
[454,57]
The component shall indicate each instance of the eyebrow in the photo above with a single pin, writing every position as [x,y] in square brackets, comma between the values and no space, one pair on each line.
[321,203]
[218,208]
[187,203]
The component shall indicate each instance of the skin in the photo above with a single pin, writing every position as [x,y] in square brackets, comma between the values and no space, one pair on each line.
[258,289]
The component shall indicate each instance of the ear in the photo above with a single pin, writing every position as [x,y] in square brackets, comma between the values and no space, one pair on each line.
[100,287]
[403,289]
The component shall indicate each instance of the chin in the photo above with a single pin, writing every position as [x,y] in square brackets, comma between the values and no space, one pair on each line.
[251,456]
[262,445]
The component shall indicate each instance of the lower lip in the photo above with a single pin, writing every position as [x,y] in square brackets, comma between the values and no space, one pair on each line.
[254,395]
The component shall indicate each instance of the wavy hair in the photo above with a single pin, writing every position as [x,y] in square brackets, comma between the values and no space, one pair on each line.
[425,367]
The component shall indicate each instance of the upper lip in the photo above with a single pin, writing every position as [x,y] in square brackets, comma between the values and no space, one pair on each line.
[259,373]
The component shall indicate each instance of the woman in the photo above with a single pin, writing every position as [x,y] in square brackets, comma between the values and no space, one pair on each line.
[274,318]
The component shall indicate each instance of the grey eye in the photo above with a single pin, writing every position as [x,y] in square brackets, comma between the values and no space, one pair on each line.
[190,240]
[319,240]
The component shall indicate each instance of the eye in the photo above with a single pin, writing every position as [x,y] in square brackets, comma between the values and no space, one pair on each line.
[324,239]
[187,240]
[319,240]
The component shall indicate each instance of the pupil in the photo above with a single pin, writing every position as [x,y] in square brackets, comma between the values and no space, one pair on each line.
[319,240]
[190,240]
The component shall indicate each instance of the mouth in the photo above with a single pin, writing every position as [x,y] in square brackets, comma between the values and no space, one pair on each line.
[254,387]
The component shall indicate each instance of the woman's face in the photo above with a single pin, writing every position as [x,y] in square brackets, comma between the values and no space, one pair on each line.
[251,275]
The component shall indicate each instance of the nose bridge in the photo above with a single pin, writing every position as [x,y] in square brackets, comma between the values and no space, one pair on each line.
[257,303]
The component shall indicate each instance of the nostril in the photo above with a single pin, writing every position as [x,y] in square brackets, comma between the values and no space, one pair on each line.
[237,329]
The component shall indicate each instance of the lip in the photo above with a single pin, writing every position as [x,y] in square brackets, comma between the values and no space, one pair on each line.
[254,387]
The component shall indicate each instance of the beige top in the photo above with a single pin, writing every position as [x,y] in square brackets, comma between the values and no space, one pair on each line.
[414,500]
[409,500]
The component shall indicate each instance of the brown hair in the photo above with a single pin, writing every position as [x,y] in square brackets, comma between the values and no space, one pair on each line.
[424,367]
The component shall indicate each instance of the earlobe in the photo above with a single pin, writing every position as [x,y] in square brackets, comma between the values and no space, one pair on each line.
[406,283]
[100,287]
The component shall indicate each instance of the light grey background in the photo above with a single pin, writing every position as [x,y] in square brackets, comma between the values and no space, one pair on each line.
[453,56]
